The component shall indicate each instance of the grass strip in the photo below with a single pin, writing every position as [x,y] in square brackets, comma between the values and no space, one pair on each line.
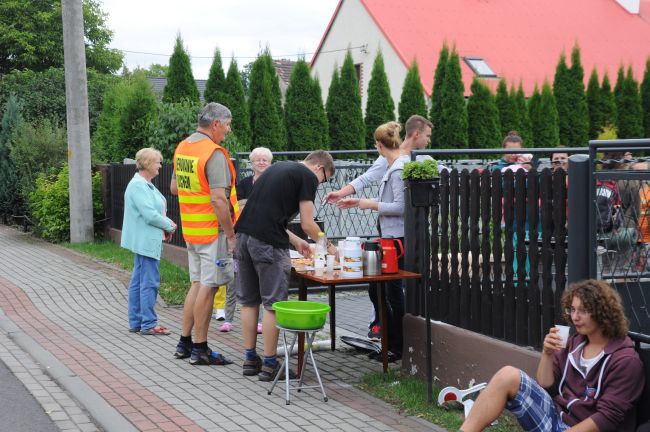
[409,395]
[174,280]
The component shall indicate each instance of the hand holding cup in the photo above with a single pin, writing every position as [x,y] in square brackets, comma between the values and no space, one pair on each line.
[553,341]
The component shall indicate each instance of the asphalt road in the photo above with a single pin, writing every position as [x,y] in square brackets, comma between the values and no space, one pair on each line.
[19,410]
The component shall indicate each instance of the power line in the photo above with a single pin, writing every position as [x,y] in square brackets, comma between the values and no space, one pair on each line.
[361,47]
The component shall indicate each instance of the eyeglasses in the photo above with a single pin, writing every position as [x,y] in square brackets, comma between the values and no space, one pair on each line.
[325,179]
[579,312]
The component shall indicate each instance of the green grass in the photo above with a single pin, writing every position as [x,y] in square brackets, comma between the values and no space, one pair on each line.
[409,396]
[174,280]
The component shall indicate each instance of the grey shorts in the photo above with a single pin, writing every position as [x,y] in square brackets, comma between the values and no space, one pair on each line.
[264,270]
[202,263]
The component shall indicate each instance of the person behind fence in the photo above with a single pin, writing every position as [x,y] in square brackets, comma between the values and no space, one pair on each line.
[144,228]
[643,242]
[590,385]
[617,217]
[390,207]
[560,160]
[418,136]
[204,179]
[260,158]
[512,140]
[286,189]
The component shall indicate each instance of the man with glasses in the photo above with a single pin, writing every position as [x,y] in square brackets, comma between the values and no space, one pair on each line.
[590,382]
[286,189]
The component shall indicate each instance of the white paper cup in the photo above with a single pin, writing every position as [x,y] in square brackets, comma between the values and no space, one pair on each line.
[330,263]
[563,332]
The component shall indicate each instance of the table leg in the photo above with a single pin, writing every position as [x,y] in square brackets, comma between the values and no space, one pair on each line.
[383,322]
[332,295]
[302,296]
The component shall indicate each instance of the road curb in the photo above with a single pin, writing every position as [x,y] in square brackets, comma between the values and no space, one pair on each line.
[104,415]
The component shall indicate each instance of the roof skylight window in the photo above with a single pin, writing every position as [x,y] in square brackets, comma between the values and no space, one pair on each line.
[480,67]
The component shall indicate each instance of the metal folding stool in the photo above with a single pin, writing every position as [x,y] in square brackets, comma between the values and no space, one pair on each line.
[311,334]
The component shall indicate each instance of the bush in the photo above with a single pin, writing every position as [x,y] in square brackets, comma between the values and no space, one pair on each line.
[420,170]
[174,122]
[49,204]
[37,148]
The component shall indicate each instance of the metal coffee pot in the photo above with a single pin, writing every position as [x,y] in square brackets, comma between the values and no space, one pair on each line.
[372,254]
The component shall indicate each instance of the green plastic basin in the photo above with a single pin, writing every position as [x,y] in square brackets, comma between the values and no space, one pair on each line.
[300,315]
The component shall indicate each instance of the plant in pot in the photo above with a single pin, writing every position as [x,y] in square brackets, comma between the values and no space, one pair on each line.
[422,179]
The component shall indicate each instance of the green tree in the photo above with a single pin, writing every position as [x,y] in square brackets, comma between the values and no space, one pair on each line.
[628,106]
[594,104]
[236,102]
[172,123]
[216,83]
[568,89]
[607,103]
[275,91]
[31,37]
[412,100]
[507,110]
[645,98]
[344,111]
[483,118]
[138,111]
[265,118]
[304,114]
[436,94]
[380,107]
[10,202]
[544,118]
[42,94]
[180,81]
[524,127]
[331,108]
[453,122]
[533,114]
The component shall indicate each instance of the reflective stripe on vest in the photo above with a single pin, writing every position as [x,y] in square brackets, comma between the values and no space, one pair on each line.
[198,220]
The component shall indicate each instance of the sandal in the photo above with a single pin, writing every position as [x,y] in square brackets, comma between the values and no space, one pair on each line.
[155,331]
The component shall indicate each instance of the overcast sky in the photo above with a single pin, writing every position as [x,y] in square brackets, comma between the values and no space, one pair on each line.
[241,27]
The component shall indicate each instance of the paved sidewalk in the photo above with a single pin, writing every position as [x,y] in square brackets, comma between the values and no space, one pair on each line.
[67,314]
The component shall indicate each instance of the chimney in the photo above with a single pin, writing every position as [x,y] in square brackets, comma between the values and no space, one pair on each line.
[632,6]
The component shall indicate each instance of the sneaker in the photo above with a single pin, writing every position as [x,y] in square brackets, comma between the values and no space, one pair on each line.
[252,367]
[392,356]
[268,373]
[219,315]
[225,327]
[183,351]
[207,357]
[259,328]
[374,333]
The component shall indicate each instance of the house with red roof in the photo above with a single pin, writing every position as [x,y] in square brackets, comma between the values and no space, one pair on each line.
[520,40]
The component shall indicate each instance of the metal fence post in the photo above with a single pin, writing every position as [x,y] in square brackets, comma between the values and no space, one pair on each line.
[579,215]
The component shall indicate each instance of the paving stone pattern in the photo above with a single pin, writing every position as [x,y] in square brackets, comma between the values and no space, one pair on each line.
[75,308]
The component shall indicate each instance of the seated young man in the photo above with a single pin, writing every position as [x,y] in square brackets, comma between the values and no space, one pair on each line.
[591,385]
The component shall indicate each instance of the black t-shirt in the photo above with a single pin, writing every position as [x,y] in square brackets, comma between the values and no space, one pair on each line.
[244,188]
[275,201]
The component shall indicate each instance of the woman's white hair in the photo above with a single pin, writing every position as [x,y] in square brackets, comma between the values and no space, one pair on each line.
[145,157]
[261,151]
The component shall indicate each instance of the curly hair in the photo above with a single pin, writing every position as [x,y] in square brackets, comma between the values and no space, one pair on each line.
[602,302]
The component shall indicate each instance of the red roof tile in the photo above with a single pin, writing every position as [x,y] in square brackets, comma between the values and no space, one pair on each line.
[520,40]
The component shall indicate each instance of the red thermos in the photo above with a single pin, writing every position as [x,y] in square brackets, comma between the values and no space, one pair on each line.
[390,256]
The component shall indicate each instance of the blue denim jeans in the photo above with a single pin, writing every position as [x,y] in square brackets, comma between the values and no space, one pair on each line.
[143,290]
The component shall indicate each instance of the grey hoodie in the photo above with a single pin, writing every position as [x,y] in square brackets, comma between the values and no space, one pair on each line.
[609,391]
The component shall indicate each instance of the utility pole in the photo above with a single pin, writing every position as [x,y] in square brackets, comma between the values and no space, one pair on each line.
[76,100]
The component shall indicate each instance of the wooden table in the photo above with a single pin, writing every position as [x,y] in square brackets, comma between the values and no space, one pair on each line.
[331,281]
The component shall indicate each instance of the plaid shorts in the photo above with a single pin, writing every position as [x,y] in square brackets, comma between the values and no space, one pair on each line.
[534,408]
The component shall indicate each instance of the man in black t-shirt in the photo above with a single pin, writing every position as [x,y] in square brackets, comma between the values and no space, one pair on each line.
[285,189]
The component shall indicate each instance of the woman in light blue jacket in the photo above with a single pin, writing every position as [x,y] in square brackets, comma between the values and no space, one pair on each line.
[144,228]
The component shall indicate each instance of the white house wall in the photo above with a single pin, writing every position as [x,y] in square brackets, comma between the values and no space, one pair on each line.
[353,27]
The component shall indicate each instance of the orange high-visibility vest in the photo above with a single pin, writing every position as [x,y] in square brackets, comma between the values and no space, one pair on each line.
[198,220]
